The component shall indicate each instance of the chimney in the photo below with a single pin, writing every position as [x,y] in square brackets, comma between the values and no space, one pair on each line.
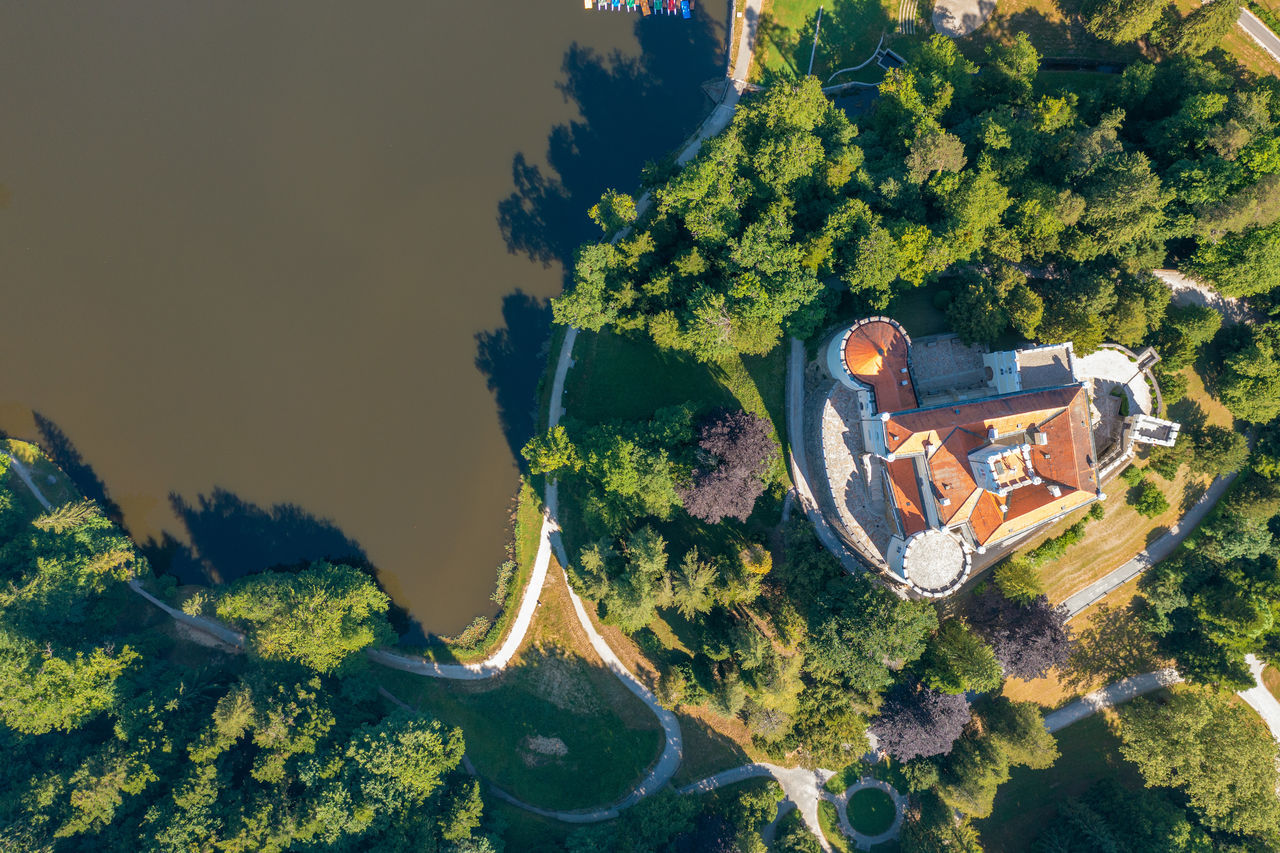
[1055,491]
[1042,437]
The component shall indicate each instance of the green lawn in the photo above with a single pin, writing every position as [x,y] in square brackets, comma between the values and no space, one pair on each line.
[848,35]
[1089,752]
[545,731]
[617,377]
[871,811]
[829,821]
[620,378]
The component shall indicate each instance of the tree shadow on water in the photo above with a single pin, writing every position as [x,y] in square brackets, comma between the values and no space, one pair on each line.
[632,109]
[57,444]
[512,358]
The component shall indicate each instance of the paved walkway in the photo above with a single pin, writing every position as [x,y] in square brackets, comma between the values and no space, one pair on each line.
[1110,696]
[1260,698]
[803,787]
[1192,291]
[959,18]
[1259,32]
[799,464]
[1158,550]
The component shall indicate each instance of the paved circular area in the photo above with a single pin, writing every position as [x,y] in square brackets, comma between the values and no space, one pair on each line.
[934,561]
[1108,369]
[959,18]
[861,840]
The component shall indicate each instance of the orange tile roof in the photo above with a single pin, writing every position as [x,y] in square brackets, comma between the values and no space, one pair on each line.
[906,431]
[1069,448]
[950,473]
[906,495]
[876,354]
[986,518]
[953,432]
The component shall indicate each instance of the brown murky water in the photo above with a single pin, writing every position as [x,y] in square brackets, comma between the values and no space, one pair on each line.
[273,271]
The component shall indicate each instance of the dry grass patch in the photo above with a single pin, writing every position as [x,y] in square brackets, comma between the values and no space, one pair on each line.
[1121,533]
[1271,680]
[1110,646]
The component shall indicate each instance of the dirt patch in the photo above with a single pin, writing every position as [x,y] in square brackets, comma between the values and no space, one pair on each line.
[537,751]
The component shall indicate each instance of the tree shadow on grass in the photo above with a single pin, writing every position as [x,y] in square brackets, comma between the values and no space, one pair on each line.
[512,359]
[632,109]
[1113,646]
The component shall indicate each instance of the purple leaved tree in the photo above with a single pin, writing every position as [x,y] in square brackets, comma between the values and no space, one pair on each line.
[1028,640]
[916,722]
[734,452]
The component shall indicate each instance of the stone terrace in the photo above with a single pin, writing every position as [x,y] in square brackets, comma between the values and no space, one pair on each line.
[946,370]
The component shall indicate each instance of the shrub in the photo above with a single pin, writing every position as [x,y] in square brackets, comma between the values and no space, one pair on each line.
[1133,475]
[1097,511]
[1018,580]
[1149,500]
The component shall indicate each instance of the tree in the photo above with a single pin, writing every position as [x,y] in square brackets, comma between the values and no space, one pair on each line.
[1187,328]
[1122,21]
[1028,640]
[1110,816]
[869,631]
[692,585]
[319,617]
[729,258]
[1215,752]
[614,211]
[915,721]
[1205,27]
[1012,734]
[735,450]
[41,691]
[551,453]
[1216,450]
[67,516]
[1242,264]
[959,661]
[1018,580]
[1250,376]
[1149,500]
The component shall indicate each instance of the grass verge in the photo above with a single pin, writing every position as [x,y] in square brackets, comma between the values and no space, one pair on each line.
[829,823]
[526,534]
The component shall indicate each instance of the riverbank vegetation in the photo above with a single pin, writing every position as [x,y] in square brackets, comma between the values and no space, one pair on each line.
[118,730]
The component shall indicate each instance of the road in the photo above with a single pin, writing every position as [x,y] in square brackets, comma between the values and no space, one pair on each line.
[1258,31]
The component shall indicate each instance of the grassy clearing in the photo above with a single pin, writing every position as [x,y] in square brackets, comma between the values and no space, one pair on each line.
[48,477]
[871,811]
[1089,751]
[556,729]
[829,823]
[886,770]
[847,36]
[620,378]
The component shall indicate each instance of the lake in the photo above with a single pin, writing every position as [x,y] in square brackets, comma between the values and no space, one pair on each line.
[276,273]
